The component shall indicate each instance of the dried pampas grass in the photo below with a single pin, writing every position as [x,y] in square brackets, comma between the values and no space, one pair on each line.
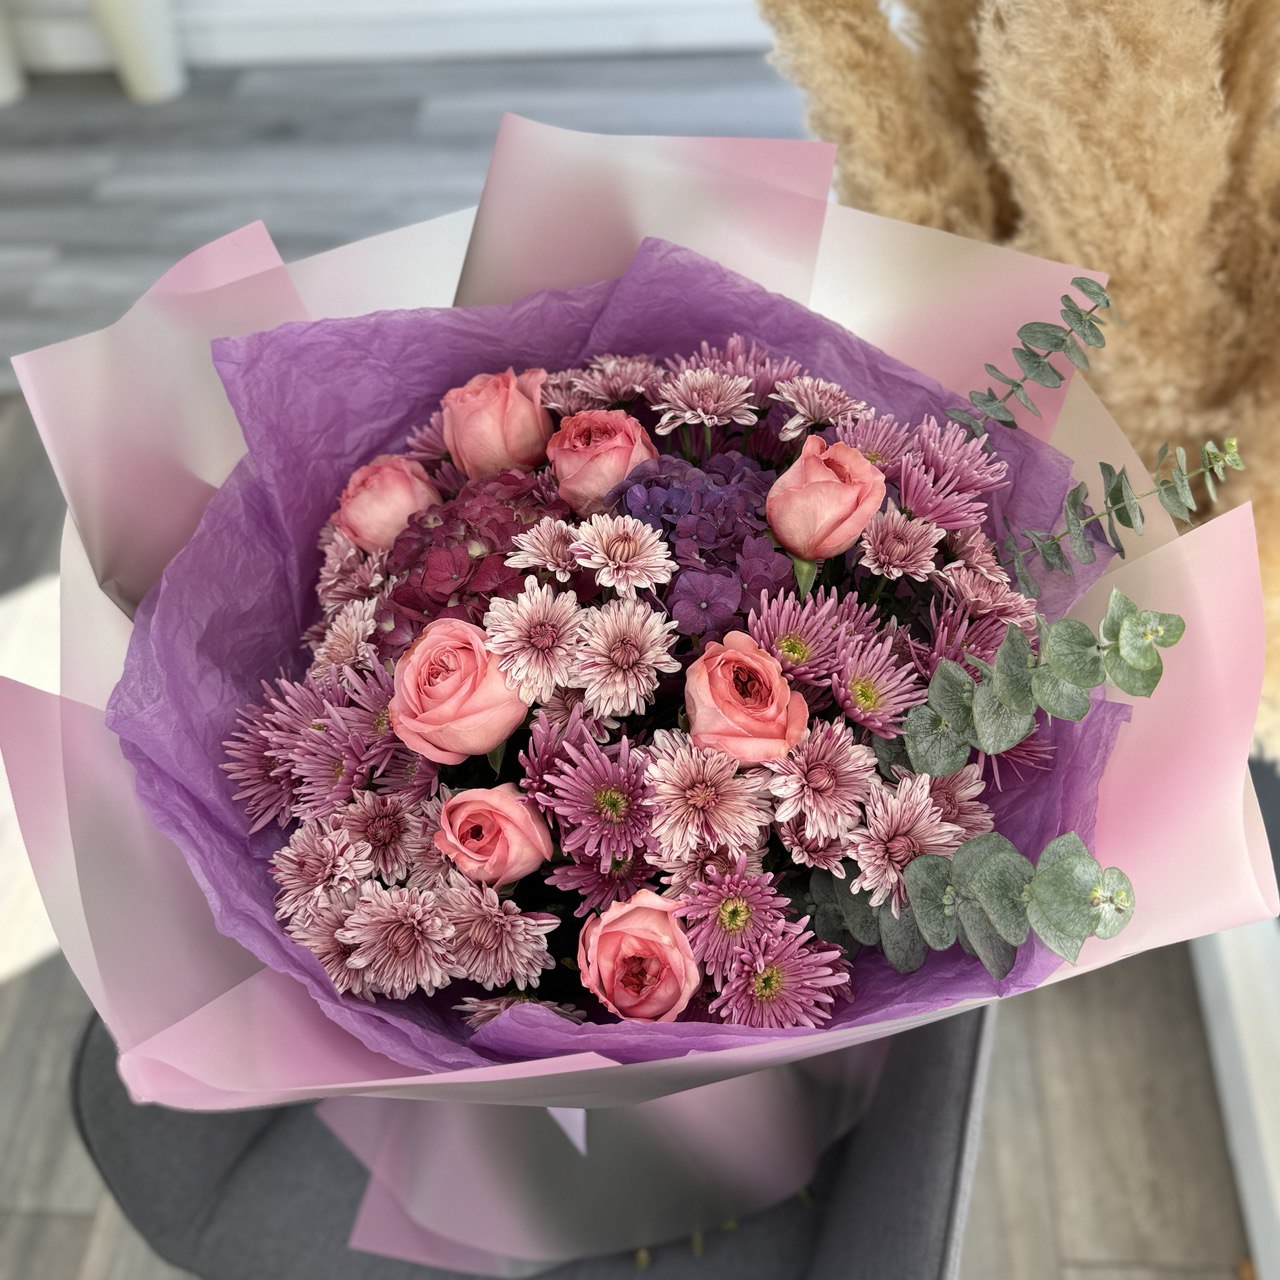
[1141,138]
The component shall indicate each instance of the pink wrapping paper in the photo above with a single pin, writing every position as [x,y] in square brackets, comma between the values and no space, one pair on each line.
[216,1030]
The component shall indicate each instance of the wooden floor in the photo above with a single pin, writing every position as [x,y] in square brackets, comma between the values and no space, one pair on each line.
[1103,1155]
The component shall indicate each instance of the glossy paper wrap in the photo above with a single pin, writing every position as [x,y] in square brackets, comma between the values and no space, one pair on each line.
[167,920]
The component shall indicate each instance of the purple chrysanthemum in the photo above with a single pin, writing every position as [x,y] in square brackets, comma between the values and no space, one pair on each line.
[939,499]
[984,596]
[788,979]
[895,546]
[958,635]
[392,830]
[425,443]
[882,440]
[971,549]
[602,802]
[561,394]
[623,553]
[559,709]
[348,573]
[264,784]
[347,639]
[729,912]
[430,867]
[545,751]
[703,397]
[534,637]
[546,546]
[679,877]
[601,887]
[700,800]
[900,825]
[807,851]
[616,381]
[317,929]
[951,452]
[801,634]
[412,777]
[494,943]
[401,938]
[477,1011]
[873,686]
[823,780]
[813,403]
[741,360]
[319,861]
[958,798]
[624,647]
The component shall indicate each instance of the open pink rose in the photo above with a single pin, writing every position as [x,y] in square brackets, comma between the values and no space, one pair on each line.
[380,498]
[492,836]
[739,702]
[592,451]
[496,422]
[450,699]
[819,505]
[637,961]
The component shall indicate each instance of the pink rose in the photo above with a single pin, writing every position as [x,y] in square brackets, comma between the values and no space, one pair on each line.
[380,498]
[497,422]
[592,451]
[450,699]
[739,702]
[819,505]
[492,836]
[637,961]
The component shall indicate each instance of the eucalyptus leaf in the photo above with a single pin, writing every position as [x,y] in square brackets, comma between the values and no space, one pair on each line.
[1020,394]
[932,746]
[1091,290]
[1044,337]
[1075,353]
[1135,644]
[1138,681]
[1063,892]
[932,897]
[995,373]
[1119,607]
[1164,630]
[1059,698]
[996,954]
[1081,547]
[996,727]
[972,856]
[1067,845]
[1083,327]
[900,939]
[1113,903]
[951,693]
[1037,368]
[1172,501]
[998,886]
[1011,675]
[1057,941]
[890,752]
[1071,652]
[859,915]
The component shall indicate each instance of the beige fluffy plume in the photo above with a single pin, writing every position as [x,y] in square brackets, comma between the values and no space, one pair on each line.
[1142,139]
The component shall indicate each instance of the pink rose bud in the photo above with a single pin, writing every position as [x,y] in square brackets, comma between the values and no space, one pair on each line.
[636,960]
[819,505]
[497,423]
[492,836]
[379,500]
[450,699]
[592,451]
[739,702]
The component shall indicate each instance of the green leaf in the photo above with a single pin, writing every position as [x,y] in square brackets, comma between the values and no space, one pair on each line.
[1073,513]
[1091,290]
[1037,367]
[495,757]
[963,416]
[828,919]
[1083,327]
[1071,651]
[1044,337]
[997,727]
[1172,501]
[1119,607]
[1057,941]
[859,915]
[932,746]
[1135,644]
[1049,549]
[972,855]
[890,752]
[1063,893]
[1130,511]
[998,886]
[1020,394]
[1140,682]
[995,373]
[1059,698]
[1026,583]
[900,939]
[1113,903]
[1075,353]
[933,899]
[996,954]
[951,693]
[1178,474]
[1067,845]
[1161,454]
[806,574]
[1163,629]
[1011,676]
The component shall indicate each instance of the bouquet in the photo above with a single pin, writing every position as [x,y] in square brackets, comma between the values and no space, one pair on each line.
[633,685]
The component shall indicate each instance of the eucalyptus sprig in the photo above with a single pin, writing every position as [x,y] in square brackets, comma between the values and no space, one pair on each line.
[1039,341]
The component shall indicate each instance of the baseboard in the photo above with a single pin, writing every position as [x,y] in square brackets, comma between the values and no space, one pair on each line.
[256,32]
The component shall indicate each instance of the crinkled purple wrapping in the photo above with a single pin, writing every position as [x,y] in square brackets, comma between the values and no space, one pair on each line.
[317,400]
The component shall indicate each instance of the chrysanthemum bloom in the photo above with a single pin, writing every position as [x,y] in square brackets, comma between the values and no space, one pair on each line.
[546,546]
[895,546]
[601,887]
[561,394]
[680,874]
[700,800]
[402,939]
[625,646]
[425,443]
[348,573]
[346,640]
[494,943]
[823,780]
[940,499]
[392,830]
[429,866]
[477,1011]
[958,635]
[319,861]
[624,553]
[814,403]
[900,825]
[264,784]
[958,798]
[873,686]
[788,979]
[1032,755]
[971,549]
[317,929]
[559,708]
[950,451]
[703,398]
[602,802]
[988,597]
[808,851]
[729,912]
[545,751]
[740,360]
[616,381]
[882,440]
[533,638]
[801,634]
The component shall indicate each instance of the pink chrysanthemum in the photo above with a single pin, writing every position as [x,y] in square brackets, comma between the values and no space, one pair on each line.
[823,780]
[814,403]
[703,398]
[1033,754]
[548,546]
[700,799]
[425,443]
[986,597]
[679,876]
[971,549]
[787,979]
[319,861]
[602,802]
[950,451]
[940,499]
[873,686]
[264,784]
[561,394]
[408,775]
[429,867]
[807,851]
[740,360]
[564,702]
[624,647]
[392,830]
[958,798]
[477,1011]
[624,553]
[801,634]
[348,573]
[900,825]
[534,637]
[729,912]
[615,381]
[957,635]
[882,440]
[600,888]
[402,939]
[895,546]
[346,641]
[494,943]
[545,752]
[317,930]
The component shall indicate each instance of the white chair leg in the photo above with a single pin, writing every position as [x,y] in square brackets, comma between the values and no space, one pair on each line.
[142,37]
[12,82]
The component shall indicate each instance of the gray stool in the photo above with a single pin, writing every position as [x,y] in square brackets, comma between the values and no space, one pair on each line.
[271,1195]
